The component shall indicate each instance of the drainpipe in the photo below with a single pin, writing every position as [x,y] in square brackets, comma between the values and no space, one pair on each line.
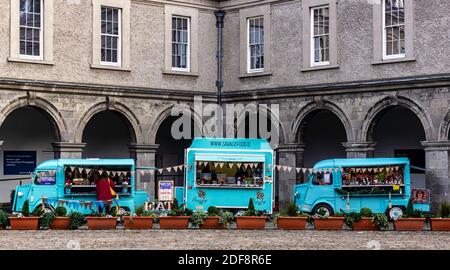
[219,55]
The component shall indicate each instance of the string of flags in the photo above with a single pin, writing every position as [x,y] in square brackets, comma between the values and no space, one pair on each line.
[283,168]
[75,204]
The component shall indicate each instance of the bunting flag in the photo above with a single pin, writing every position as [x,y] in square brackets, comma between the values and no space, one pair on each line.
[298,170]
[238,165]
[221,164]
[304,170]
[230,165]
[180,168]
[160,170]
[396,168]
[216,164]
[289,169]
[284,168]
[152,172]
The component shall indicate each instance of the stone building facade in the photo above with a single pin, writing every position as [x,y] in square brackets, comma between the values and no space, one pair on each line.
[357,101]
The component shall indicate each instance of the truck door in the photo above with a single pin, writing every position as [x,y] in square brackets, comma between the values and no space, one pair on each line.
[321,190]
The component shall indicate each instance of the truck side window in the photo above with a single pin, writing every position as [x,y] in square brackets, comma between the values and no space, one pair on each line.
[322,179]
[45,178]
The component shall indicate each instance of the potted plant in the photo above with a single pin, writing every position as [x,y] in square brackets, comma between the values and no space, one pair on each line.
[442,222]
[56,220]
[291,218]
[176,218]
[381,221]
[25,220]
[142,219]
[100,221]
[412,220]
[4,220]
[198,218]
[322,221]
[76,220]
[251,219]
[361,221]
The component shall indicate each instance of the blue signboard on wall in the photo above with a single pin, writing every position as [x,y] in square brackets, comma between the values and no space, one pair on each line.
[19,162]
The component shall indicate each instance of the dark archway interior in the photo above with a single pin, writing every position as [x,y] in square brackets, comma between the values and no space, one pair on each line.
[26,129]
[171,151]
[323,133]
[398,132]
[107,135]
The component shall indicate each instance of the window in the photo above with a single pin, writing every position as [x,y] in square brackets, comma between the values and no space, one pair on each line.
[45,178]
[322,179]
[180,43]
[110,36]
[255,52]
[31,29]
[320,36]
[393,28]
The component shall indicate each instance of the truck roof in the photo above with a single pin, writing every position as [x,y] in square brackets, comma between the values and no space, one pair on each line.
[54,163]
[363,162]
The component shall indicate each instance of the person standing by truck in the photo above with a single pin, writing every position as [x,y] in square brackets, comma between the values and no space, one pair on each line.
[105,190]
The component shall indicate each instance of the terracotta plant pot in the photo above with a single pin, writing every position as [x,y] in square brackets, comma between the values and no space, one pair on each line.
[330,223]
[174,222]
[409,224]
[365,224]
[291,223]
[212,223]
[24,223]
[440,224]
[60,223]
[101,223]
[251,223]
[138,223]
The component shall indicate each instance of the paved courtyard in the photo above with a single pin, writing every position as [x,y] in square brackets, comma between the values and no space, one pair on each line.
[222,239]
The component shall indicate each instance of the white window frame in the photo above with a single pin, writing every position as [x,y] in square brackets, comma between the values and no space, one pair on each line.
[40,57]
[312,46]
[384,39]
[119,40]
[188,48]
[249,56]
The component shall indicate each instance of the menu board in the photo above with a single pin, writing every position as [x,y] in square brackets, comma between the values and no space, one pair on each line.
[420,195]
[165,190]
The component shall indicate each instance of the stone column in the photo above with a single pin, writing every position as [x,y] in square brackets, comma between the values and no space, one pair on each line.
[290,154]
[359,149]
[437,171]
[144,156]
[68,149]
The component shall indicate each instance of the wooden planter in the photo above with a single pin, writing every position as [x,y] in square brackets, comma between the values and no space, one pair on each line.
[212,223]
[174,222]
[60,223]
[440,224]
[138,223]
[101,223]
[251,223]
[329,223]
[409,224]
[291,223]
[365,224]
[24,223]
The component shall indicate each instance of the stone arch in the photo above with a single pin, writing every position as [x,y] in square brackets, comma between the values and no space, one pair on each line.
[48,109]
[376,112]
[444,128]
[241,120]
[123,110]
[151,137]
[307,111]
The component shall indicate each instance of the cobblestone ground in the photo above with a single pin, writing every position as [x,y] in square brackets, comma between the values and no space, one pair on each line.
[222,239]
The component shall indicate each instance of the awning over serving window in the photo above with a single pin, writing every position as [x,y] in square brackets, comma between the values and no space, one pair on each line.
[230,158]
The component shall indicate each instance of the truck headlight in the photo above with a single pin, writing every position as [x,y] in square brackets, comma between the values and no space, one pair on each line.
[20,194]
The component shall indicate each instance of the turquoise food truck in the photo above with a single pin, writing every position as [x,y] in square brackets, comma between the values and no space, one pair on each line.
[347,185]
[226,173]
[69,182]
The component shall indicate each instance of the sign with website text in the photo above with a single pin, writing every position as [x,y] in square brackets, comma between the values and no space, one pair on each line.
[19,162]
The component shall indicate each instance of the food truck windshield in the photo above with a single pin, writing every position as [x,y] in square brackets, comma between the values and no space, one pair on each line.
[232,174]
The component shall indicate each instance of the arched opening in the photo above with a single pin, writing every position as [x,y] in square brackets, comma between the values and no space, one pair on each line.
[322,133]
[171,151]
[398,132]
[27,134]
[108,135]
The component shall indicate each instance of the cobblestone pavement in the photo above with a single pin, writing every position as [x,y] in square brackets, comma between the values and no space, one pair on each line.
[222,239]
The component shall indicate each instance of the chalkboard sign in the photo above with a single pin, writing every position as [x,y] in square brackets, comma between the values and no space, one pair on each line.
[19,162]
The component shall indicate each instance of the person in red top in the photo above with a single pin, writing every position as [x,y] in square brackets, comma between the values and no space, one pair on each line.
[103,189]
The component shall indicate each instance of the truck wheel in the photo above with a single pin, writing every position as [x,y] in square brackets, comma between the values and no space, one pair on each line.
[326,209]
[395,212]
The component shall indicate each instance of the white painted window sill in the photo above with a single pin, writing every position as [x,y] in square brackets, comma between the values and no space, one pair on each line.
[110,67]
[30,61]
